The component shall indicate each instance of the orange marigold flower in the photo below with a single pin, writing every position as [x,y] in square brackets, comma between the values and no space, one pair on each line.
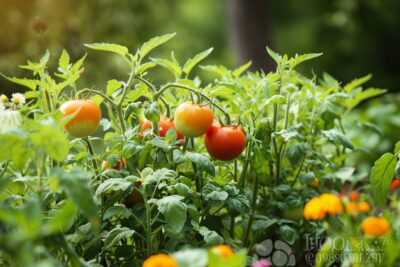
[375,226]
[351,207]
[314,209]
[223,251]
[363,207]
[331,203]
[160,260]
[354,196]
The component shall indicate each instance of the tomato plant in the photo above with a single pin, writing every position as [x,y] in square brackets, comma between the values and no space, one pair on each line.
[257,149]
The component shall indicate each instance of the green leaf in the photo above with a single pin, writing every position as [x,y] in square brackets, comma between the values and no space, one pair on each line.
[153,43]
[152,112]
[382,175]
[288,234]
[62,218]
[237,72]
[338,138]
[116,235]
[212,192]
[31,84]
[239,203]
[76,184]
[118,210]
[159,175]
[112,86]
[178,156]
[114,48]
[172,66]
[211,238]
[142,68]
[275,56]
[174,211]
[191,62]
[130,149]
[202,161]
[63,62]
[52,139]
[113,185]
[302,58]
[356,83]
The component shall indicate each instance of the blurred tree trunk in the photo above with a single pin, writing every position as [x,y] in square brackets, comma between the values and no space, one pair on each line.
[249,32]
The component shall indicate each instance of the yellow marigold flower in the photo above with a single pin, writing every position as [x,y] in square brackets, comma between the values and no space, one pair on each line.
[351,207]
[223,251]
[3,99]
[314,209]
[160,260]
[18,99]
[363,207]
[331,203]
[375,226]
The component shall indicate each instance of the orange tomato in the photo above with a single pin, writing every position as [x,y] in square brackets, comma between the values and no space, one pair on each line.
[395,183]
[163,127]
[86,120]
[193,120]
[225,142]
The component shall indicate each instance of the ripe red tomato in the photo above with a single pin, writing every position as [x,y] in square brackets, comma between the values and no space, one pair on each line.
[85,121]
[193,120]
[163,126]
[354,196]
[225,142]
[395,183]
[135,197]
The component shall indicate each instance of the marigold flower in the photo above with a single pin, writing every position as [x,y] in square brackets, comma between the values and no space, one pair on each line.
[351,207]
[3,99]
[331,203]
[160,260]
[223,251]
[363,207]
[395,183]
[354,196]
[18,99]
[314,209]
[375,226]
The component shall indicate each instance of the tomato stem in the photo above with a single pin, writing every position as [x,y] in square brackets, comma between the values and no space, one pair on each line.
[91,151]
[106,98]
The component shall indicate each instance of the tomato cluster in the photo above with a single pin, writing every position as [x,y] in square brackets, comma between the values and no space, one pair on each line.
[191,120]
[222,142]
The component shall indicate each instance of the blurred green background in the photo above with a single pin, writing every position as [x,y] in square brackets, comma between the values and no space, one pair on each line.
[357,37]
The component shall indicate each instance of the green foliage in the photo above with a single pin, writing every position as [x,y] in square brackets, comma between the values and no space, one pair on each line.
[156,194]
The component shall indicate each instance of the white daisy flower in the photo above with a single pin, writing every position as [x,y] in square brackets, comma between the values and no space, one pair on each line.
[18,99]
[3,99]
[2,107]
